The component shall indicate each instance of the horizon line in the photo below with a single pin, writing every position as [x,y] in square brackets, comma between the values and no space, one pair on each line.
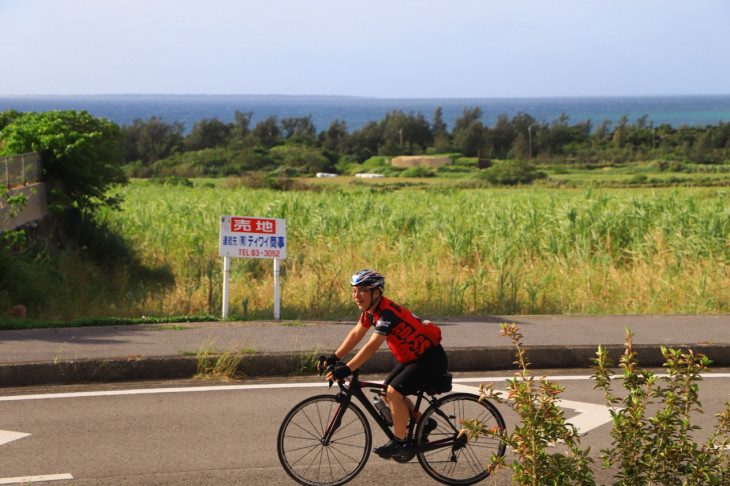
[355,97]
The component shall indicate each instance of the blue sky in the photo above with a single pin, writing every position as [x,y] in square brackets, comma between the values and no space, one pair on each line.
[376,48]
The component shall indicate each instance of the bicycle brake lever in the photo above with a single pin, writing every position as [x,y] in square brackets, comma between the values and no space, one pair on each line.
[328,369]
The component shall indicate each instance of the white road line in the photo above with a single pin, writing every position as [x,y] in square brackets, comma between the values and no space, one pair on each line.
[153,391]
[193,389]
[572,377]
[9,436]
[35,479]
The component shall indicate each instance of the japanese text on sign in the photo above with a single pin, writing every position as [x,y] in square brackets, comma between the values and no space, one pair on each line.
[253,225]
[252,237]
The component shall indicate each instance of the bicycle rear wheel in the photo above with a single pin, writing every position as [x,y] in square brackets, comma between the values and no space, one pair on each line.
[305,455]
[457,461]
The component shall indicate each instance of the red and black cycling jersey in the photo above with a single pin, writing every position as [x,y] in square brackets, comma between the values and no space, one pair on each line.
[408,337]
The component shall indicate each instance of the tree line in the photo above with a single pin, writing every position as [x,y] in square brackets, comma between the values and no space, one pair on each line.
[293,146]
[212,147]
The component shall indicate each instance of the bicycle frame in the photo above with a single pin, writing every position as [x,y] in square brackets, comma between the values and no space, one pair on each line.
[327,439]
[354,388]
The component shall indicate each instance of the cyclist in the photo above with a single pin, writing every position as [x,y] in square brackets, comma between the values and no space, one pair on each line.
[415,343]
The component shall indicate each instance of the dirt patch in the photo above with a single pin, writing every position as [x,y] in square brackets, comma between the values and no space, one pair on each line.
[419,161]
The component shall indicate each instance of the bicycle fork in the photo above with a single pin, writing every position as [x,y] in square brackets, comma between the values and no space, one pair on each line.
[336,420]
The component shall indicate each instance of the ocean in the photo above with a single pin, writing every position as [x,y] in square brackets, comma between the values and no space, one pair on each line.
[358,111]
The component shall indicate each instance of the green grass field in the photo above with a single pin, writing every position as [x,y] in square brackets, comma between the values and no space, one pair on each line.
[445,251]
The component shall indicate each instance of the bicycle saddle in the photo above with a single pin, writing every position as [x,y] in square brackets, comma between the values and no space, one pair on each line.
[442,385]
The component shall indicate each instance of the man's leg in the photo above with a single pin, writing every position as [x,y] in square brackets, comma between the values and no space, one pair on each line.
[400,408]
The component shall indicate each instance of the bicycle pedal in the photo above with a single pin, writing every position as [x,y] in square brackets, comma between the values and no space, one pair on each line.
[404,457]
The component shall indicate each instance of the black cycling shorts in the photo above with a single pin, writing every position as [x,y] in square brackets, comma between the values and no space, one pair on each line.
[410,378]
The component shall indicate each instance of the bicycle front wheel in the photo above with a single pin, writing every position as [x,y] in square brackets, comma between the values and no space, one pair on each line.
[305,453]
[452,460]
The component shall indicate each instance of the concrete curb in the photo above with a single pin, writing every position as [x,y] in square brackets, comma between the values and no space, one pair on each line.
[283,364]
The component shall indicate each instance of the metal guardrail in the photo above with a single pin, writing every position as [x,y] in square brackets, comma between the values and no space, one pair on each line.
[20,169]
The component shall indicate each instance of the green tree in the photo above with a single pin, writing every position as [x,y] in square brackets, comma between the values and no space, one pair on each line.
[603,129]
[521,147]
[151,140]
[267,132]
[404,133]
[501,136]
[335,138]
[619,133]
[80,154]
[208,134]
[241,124]
[438,126]
[441,137]
[7,117]
[365,141]
[300,128]
[467,118]
[470,139]
[469,132]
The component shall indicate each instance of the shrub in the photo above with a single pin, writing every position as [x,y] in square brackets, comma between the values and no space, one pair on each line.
[306,159]
[512,172]
[660,449]
[172,181]
[375,161]
[466,161]
[648,450]
[542,426]
[417,172]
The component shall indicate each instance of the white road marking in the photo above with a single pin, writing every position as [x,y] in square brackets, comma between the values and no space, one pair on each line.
[589,415]
[153,391]
[193,389]
[35,479]
[9,436]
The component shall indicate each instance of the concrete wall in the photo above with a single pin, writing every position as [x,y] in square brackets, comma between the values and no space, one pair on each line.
[35,209]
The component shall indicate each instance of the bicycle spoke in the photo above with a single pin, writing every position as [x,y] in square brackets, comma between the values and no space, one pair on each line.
[309,460]
[455,460]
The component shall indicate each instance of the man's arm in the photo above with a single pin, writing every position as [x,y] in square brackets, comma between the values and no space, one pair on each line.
[353,338]
[367,351]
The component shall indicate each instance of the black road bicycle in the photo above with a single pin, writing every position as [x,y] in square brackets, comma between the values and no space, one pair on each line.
[326,439]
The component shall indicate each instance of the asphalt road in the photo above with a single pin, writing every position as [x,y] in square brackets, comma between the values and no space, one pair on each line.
[193,432]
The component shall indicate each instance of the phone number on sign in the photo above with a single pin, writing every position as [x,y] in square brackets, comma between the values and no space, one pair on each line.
[259,253]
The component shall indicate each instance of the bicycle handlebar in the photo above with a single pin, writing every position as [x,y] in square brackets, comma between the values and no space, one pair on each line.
[331,367]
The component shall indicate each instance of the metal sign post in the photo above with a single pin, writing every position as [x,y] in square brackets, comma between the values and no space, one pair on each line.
[251,237]
[226,275]
[277,299]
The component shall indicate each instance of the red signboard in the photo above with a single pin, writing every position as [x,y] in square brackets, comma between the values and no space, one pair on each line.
[253,225]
